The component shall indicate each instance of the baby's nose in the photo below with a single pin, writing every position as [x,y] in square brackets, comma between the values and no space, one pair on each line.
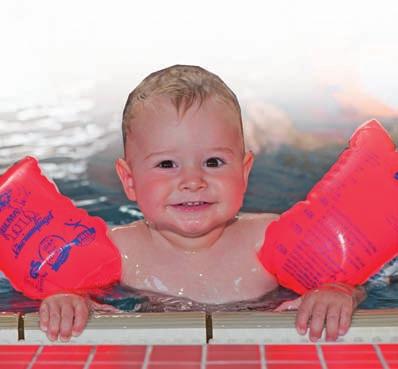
[192,180]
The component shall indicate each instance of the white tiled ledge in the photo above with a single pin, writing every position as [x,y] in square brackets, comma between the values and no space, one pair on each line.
[8,328]
[368,326]
[184,328]
[189,328]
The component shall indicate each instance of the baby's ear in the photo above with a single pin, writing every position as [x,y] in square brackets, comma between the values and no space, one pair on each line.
[126,177]
[248,161]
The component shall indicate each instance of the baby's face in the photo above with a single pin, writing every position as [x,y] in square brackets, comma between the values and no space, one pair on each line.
[187,173]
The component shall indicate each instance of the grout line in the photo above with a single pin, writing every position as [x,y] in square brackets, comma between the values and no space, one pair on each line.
[34,358]
[90,357]
[263,361]
[203,358]
[321,357]
[148,352]
[380,356]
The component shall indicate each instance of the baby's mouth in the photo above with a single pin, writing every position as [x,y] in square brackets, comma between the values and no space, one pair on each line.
[192,205]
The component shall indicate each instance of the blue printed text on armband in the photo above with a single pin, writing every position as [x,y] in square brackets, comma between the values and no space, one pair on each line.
[8,222]
[39,223]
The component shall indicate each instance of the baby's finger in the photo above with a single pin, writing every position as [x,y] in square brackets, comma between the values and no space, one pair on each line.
[318,317]
[44,316]
[345,319]
[332,323]
[303,316]
[81,316]
[54,321]
[66,322]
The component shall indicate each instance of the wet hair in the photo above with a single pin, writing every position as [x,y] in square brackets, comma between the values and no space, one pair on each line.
[184,85]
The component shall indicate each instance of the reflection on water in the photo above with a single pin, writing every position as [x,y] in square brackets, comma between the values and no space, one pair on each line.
[62,132]
[76,137]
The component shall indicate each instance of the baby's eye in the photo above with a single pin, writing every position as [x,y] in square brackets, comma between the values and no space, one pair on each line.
[165,164]
[214,162]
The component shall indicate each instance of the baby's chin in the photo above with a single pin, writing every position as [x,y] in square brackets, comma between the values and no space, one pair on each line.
[193,229]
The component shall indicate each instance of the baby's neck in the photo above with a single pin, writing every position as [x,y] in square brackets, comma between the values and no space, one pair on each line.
[187,245]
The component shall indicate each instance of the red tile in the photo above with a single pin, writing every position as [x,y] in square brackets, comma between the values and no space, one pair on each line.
[121,348]
[115,366]
[17,348]
[292,357]
[231,366]
[293,365]
[233,353]
[66,349]
[357,364]
[14,353]
[64,353]
[291,353]
[349,352]
[57,365]
[131,354]
[176,353]
[180,365]
[351,356]
[8,365]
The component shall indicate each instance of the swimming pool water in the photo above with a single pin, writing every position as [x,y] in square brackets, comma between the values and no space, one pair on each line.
[77,146]
[279,179]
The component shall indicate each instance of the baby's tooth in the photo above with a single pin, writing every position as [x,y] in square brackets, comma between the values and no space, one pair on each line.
[192,203]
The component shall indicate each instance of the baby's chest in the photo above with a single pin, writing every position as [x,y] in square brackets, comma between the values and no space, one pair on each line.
[214,280]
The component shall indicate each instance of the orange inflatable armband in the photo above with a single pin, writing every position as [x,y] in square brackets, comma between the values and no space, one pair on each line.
[347,227]
[47,245]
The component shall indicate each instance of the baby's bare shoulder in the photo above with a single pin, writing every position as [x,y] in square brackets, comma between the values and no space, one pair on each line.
[257,219]
[131,240]
[127,235]
[253,226]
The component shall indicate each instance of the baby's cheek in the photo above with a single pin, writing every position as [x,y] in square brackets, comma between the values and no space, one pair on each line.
[236,196]
[146,203]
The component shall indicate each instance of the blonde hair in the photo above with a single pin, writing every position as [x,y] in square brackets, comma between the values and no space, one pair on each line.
[184,85]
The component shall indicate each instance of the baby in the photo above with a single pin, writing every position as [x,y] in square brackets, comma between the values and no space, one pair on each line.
[186,166]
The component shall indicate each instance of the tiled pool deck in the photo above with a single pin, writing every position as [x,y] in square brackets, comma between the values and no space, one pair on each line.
[255,340]
[313,356]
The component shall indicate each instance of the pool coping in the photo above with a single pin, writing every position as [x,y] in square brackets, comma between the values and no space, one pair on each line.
[196,328]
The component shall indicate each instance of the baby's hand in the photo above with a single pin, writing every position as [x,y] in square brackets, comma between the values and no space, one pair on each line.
[63,315]
[331,307]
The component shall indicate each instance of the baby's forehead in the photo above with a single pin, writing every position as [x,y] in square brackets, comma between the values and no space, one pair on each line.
[159,116]
[158,106]
[160,119]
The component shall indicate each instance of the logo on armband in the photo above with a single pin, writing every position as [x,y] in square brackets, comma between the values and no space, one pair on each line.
[396,175]
[54,250]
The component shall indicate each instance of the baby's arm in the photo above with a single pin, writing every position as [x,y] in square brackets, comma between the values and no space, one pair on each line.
[330,306]
[64,315]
